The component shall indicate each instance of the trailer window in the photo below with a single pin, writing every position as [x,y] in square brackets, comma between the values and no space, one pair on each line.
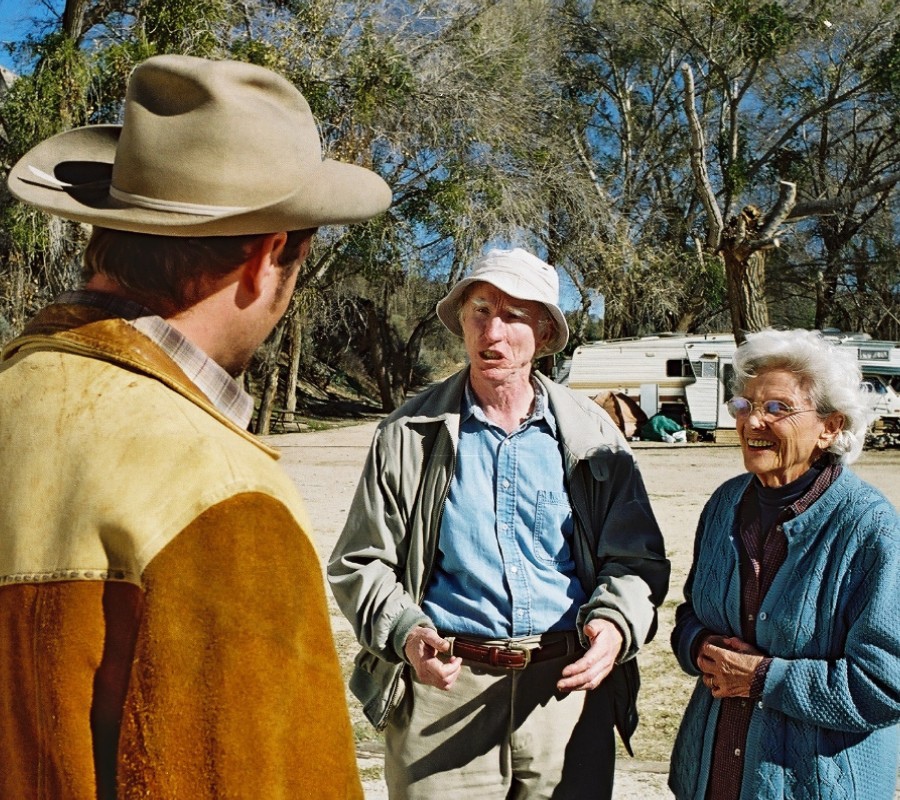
[727,377]
[678,368]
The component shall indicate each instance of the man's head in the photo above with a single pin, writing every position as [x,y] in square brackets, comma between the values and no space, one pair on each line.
[204,200]
[170,274]
[518,275]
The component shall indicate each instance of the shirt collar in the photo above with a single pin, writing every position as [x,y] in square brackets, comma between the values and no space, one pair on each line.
[470,407]
[223,391]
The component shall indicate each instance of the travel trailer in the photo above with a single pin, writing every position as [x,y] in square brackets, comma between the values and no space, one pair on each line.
[686,376]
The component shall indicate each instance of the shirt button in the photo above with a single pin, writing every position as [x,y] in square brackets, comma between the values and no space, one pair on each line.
[764,616]
[737,751]
[505,484]
[750,617]
[521,612]
[514,570]
[759,704]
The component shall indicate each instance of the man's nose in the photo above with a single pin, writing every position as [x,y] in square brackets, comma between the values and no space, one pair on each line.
[493,328]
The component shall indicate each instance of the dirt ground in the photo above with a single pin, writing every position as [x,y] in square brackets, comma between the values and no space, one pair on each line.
[326,465]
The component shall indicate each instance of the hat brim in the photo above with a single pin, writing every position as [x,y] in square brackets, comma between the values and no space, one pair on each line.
[448,310]
[332,193]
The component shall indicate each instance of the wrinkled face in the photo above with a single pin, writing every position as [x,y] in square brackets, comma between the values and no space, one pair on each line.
[779,451]
[501,333]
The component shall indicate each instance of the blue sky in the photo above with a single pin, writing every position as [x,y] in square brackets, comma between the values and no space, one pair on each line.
[17,18]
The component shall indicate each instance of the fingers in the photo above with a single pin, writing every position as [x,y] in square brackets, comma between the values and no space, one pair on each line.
[427,637]
[439,673]
[589,671]
[423,648]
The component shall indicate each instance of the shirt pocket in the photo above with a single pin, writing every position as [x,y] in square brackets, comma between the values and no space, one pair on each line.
[553,528]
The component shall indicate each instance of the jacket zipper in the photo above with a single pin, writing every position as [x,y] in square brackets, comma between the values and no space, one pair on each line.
[395,684]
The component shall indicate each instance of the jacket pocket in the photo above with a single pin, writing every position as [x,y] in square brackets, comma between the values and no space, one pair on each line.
[378,685]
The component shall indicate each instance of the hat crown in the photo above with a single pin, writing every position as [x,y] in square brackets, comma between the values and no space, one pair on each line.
[193,130]
[519,274]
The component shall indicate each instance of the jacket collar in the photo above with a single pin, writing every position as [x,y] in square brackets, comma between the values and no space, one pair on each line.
[90,331]
[580,441]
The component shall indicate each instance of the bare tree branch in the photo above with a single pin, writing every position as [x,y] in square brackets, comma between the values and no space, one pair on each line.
[818,208]
[698,162]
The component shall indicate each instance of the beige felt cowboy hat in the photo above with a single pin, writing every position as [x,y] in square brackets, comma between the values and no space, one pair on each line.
[206,148]
[518,274]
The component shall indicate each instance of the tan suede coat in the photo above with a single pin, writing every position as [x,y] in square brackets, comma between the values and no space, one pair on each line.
[163,624]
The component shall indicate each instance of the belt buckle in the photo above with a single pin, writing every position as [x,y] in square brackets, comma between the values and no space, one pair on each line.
[525,651]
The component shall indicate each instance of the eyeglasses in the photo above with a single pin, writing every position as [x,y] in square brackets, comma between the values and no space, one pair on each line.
[769,409]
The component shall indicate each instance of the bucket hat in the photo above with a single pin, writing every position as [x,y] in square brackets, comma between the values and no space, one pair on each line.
[206,148]
[518,274]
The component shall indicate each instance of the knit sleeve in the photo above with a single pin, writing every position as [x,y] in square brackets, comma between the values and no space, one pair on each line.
[857,687]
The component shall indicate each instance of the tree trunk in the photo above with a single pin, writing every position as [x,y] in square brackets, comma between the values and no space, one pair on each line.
[743,245]
[290,391]
[270,385]
[746,274]
[73,18]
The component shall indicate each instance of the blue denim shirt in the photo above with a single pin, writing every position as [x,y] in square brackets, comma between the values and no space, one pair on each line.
[504,566]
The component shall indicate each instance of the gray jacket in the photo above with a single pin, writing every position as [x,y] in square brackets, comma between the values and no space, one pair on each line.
[382,563]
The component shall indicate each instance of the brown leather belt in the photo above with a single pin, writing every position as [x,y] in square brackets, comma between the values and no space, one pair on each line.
[509,656]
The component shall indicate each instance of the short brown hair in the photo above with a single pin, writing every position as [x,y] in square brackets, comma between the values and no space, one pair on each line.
[169,268]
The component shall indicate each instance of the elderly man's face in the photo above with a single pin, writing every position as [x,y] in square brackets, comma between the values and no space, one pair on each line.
[501,333]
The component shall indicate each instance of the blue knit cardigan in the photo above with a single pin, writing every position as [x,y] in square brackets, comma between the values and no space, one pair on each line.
[826,723]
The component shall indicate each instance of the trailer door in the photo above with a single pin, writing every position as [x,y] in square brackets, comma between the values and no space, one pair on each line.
[704,394]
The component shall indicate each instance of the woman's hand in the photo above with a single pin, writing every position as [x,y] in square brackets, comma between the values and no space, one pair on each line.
[728,665]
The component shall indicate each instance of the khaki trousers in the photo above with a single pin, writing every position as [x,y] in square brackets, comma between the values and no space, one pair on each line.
[501,734]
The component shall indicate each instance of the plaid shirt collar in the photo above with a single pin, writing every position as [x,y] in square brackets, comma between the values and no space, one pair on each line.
[223,391]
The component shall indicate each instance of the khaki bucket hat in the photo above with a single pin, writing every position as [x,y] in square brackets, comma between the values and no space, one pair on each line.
[206,148]
[518,274]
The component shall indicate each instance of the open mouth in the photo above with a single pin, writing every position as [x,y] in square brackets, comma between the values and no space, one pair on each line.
[490,355]
[759,444]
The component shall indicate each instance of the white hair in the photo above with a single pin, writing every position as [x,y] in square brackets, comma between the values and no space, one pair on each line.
[828,372]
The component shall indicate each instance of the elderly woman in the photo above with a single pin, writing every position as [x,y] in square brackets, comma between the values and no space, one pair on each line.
[790,617]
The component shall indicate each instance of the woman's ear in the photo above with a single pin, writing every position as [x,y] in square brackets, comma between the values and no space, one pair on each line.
[833,424]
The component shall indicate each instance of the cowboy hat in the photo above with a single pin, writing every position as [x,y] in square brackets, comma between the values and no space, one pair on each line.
[206,148]
[518,274]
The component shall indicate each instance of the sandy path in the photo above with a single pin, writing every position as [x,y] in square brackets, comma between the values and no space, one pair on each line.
[326,465]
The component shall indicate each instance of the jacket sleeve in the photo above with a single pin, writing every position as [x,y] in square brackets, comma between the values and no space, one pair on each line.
[235,677]
[368,565]
[632,571]
[857,690]
[687,625]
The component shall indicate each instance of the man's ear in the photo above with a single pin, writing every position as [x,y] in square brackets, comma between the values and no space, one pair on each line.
[261,265]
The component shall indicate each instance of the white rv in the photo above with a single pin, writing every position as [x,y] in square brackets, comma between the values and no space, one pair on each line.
[678,374]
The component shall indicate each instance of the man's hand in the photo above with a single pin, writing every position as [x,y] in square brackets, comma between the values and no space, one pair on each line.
[423,647]
[590,670]
[728,665]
